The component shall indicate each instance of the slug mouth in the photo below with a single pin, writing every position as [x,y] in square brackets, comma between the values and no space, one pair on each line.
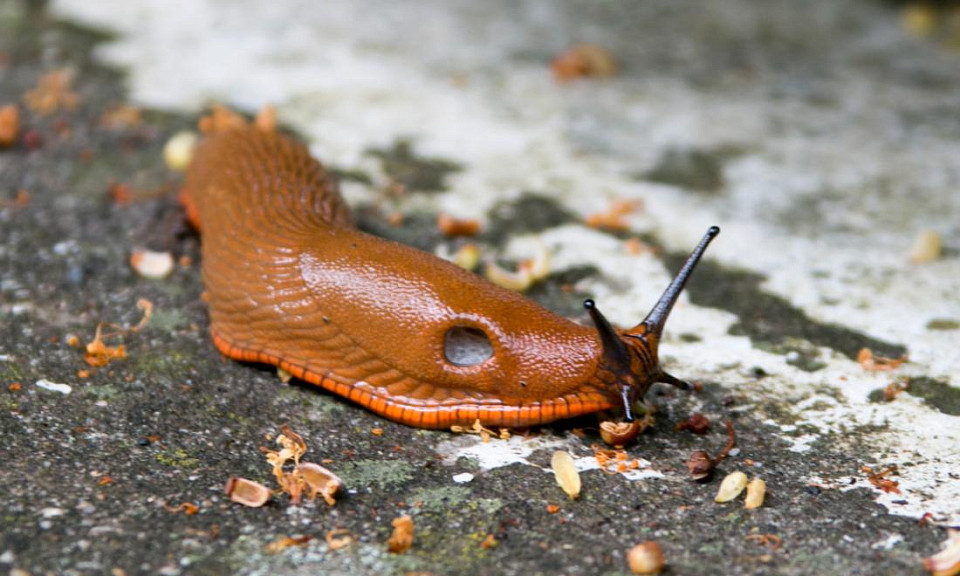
[630,364]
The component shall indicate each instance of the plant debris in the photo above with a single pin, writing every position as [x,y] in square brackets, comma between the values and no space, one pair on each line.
[947,561]
[247,492]
[402,537]
[150,264]
[178,151]
[696,423]
[646,558]
[771,540]
[614,217]
[700,464]
[99,354]
[618,457]
[756,491]
[584,61]
[878,363]
[9,125]
[927,247]
[879,479]
[451,227]
[307,477]
[619,434]
[339,538]
[485,433]
[282,544]
[565,471]
[186,507]
[731,487]
[893,389]
[467,257]
[121,116]
[53,93]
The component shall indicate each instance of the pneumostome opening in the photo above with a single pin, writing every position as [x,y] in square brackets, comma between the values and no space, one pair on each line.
[465,346]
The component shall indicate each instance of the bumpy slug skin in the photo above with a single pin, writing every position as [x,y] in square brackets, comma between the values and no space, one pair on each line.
[291,282]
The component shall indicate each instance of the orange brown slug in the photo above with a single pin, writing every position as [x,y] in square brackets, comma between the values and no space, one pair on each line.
[291,282]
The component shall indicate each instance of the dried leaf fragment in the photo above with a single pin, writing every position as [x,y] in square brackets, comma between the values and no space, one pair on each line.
[696,423]
[756,490]
[247,492]
[946,562]
[9,125]
[518,281]
[646,558]
[478,428]
[53,92]
[120,116]
[880,480]
[584,60]
[402,537]
[868,361]
[451,227]
[339,538]
[99,354]
[731,487]
[282,544]
[565,471]
[614,217]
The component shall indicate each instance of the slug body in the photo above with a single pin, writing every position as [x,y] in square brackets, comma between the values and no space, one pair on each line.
[291,282]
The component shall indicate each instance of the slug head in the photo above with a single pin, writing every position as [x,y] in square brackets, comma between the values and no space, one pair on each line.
[630,363]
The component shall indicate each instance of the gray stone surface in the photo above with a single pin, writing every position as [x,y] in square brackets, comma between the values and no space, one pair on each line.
[820,120]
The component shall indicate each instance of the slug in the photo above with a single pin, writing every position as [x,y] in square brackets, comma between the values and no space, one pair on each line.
[291,282]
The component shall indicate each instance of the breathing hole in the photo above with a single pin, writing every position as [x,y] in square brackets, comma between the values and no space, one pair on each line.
[464,346]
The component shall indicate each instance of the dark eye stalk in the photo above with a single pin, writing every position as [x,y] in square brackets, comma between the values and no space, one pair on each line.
[643,340]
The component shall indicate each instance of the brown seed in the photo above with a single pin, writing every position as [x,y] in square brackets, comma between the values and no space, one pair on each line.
[247,492]
[700,465]
[646,558]
[696,423]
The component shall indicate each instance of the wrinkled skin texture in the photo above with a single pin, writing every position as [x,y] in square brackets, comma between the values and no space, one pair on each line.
[291,282]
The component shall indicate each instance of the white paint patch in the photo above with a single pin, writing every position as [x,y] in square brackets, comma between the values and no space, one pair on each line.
[463,478]
[888,543]
[45,384]
[497,453]
[823,204]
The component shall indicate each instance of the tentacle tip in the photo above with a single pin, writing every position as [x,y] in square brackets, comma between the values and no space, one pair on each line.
[713,231]
[589,304]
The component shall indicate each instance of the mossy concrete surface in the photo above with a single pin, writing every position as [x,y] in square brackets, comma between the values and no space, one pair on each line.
[94,476]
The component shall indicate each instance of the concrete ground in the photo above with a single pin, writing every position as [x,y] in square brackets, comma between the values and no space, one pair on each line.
[821,136]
